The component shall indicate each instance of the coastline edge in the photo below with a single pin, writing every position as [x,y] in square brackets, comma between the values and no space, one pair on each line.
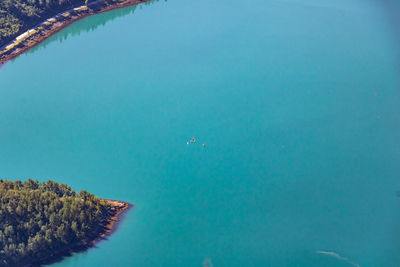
[42,34]
[106,228]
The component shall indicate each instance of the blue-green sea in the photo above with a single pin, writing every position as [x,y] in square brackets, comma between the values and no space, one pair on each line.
[296,101]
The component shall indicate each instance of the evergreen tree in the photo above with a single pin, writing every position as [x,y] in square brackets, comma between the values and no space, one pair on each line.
[37,219]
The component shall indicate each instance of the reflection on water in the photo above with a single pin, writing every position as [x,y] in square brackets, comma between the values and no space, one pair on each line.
[87,25]
[391,10]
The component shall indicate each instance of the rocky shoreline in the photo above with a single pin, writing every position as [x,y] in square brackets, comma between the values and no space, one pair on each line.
[37,34]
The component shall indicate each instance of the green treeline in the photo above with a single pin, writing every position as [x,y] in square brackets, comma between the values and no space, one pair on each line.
[37,219]
[17,16]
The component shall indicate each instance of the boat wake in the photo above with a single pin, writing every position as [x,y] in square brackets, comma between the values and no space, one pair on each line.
[337,256]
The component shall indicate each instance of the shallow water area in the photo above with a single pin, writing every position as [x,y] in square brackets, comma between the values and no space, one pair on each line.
[296,101]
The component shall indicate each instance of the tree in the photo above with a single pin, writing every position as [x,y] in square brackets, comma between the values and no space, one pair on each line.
[38,218]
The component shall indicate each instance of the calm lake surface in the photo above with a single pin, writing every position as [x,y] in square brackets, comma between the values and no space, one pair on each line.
[297,102]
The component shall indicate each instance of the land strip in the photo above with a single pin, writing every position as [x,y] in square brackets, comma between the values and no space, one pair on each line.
[106,228]
[42,31]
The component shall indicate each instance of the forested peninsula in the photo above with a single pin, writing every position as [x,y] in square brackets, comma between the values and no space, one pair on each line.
[41,222]
[25,23]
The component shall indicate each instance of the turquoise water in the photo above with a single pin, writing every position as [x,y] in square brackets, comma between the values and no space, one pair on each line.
[297,102]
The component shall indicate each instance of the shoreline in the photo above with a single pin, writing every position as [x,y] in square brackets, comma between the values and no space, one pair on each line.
[107,227]
[50,26]
[112,221]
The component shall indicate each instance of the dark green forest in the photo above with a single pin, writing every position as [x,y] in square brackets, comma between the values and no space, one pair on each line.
[37,219]
[17,16]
